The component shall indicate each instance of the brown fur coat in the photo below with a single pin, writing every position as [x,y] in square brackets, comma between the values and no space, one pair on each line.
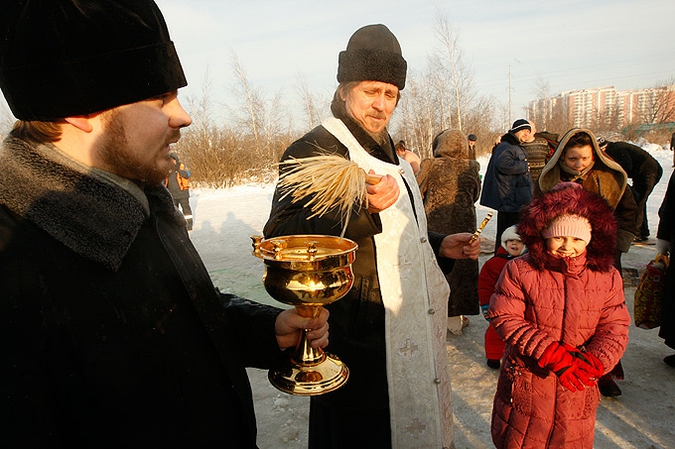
[451,185]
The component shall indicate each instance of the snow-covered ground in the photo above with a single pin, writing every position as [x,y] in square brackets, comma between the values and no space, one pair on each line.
[642,418]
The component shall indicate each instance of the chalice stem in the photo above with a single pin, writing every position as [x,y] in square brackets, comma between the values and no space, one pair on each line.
[305,354]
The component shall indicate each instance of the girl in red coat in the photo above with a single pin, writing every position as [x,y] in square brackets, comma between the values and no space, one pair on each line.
[561,311]
[511,247]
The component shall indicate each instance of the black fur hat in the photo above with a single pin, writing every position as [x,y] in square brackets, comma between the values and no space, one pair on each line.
[60,58]
[373,54]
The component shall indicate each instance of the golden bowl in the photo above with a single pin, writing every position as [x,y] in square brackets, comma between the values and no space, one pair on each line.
[306,270]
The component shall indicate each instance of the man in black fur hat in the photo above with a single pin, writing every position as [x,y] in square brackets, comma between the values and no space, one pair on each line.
[111,332]
[390,329]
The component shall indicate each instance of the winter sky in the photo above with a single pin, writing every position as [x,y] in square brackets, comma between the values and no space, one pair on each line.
[572,44]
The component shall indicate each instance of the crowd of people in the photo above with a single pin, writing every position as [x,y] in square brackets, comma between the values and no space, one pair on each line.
[112,331]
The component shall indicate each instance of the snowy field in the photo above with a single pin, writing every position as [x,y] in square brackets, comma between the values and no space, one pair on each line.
[641,418]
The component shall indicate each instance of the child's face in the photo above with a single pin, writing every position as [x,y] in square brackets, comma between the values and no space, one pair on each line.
[566,246]
[514,247]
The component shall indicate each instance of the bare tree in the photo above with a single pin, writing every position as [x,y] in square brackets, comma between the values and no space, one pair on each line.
[309,103]
[416,116]
[253,104]
[441,96]
[452,58]
[658,103]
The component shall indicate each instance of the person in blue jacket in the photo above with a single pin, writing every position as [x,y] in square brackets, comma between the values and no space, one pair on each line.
[508,186]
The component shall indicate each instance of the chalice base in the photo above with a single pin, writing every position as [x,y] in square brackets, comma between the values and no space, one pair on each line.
[309,379]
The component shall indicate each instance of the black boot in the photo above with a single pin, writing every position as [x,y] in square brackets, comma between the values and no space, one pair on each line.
[608,387]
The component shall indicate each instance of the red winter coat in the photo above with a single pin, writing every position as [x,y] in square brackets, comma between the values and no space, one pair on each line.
[540,299]
[487,279]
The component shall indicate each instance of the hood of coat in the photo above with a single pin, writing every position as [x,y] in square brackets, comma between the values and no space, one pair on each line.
[451,143]
[550,174]
[570,199]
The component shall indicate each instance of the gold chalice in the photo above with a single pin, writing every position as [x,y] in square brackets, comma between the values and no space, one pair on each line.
[308,272]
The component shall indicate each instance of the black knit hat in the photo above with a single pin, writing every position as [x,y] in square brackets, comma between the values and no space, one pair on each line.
[473,137]
[520,125]
[373,54]
[60,58]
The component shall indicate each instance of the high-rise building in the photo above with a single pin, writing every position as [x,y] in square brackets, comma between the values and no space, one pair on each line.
[605,107]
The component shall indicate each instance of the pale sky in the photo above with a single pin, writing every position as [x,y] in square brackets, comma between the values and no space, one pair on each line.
[568,44]
[572,44]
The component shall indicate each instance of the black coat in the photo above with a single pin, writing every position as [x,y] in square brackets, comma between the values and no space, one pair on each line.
[666,231]
[125,346]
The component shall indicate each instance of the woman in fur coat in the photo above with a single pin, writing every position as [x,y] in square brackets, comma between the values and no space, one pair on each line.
[450,185]
[560,309]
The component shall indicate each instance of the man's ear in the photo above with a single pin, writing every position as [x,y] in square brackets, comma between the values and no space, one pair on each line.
[81,122]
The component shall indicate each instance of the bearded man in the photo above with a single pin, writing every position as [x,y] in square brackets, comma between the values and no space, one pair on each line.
[111,332]
[390,329]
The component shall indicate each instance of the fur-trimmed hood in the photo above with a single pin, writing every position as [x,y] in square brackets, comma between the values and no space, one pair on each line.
[570,198]
[550,174]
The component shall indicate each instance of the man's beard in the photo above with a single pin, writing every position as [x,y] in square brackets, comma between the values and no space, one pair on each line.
[382,137]
[339,109]
[114,150]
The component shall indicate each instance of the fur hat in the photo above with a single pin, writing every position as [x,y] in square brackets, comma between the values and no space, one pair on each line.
[373,54]
[74,57]
[569,226]
[520,125]
[568,198]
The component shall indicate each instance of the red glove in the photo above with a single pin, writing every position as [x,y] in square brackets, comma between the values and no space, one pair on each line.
[569,364]
[573,378]
[556,358]
[588,367]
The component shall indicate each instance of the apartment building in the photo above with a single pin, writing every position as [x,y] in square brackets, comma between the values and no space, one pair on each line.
[605,107]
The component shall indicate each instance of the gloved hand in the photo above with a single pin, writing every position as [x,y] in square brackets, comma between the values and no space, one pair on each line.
[589,369]
[484,310]
[569,364]
[556,358]
[573,378]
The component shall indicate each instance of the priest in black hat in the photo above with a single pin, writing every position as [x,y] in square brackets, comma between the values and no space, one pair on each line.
[111,332]
[390,329]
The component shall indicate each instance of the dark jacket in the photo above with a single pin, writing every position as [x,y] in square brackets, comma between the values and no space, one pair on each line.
[666,231]
[507,185]
[452,186]
[357,320]
[639,165]
[111,332]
